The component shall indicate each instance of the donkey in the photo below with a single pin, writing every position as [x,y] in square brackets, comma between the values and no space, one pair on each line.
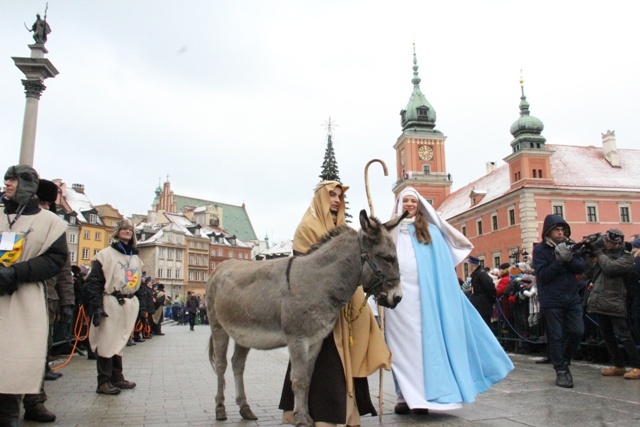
[295,302]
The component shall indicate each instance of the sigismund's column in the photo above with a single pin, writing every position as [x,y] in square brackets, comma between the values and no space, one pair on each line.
[36,69]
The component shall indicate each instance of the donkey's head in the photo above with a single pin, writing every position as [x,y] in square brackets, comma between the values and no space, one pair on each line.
[380,271]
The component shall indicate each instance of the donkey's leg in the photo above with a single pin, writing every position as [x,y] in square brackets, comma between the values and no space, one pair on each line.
[218,358]
[238,361]
[301,354]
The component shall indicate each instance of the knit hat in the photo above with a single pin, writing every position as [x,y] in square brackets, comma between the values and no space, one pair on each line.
[48,192]
[473,260]
[504,266]
[27,182]
[124,224]
[636,242]
[614,235]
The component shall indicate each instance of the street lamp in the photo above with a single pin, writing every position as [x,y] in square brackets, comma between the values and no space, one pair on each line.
[514,255]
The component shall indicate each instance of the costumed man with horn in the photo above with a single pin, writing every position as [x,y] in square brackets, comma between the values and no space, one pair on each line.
[339,390]
[33,248]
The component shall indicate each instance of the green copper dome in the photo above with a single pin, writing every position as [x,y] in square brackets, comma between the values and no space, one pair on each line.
[418,113]
[527,129]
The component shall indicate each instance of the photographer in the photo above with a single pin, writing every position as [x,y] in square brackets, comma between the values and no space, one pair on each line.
[556,267]
[607,301]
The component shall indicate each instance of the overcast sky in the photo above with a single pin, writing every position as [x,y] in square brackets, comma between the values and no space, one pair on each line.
[229,98]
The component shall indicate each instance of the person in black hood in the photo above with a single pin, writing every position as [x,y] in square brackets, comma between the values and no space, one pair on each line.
[33,248]
[556,267]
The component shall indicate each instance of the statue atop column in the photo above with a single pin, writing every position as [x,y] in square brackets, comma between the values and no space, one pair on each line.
[40,28]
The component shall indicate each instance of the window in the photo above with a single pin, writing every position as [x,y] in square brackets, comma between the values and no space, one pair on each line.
[159,272]
[86,235]
[592,214]
[204,276]
[426,169]
[85,253]
[535,173]
[98,236]
[624,214]
[192,259]
[93,218]
[494,222]
[219,252]
[72,220]
[169,238]
[496,260]
[558,210]
[191,245]
[230,254]
[430,201]
[178,255]
[95,252]
[479,227]
[240,255]
[72,256]
[170,253]
[72,238]
[168,273]
[197,276]
[190,276]
[464,230]
[160,252]
[512,217]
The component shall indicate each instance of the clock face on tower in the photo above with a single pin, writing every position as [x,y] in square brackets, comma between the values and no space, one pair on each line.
[425,152]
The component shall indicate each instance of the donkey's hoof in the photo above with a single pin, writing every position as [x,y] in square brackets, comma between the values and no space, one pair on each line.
[221,414]
[246,413]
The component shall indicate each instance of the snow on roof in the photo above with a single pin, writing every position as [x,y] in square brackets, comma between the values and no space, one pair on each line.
[79,203]
[572,167]
[282,247]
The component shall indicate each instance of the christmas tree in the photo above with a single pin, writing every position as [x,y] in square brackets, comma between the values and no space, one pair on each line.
[330,166]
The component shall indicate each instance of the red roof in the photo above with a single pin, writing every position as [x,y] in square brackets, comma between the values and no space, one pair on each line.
[572,167]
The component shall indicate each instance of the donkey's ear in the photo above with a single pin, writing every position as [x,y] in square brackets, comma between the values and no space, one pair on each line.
[392,223]
[364,220]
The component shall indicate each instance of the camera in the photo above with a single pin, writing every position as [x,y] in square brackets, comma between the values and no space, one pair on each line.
[587,243]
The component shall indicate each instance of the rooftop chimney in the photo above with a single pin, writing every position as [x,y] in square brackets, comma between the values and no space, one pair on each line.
[491,166]
[610,149]
[79,188]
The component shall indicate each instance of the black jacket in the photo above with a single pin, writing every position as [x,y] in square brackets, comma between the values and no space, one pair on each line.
[484,291]
[557,282]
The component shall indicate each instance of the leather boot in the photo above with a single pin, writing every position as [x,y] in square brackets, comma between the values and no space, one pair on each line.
[39,414]
[564,379]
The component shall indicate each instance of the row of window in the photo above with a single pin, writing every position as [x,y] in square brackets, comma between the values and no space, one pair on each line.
[591,214]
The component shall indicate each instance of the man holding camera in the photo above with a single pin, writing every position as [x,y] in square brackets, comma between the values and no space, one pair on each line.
[556,267]
[607,300]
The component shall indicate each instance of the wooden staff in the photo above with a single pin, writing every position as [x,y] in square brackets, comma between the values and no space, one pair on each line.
[380,309]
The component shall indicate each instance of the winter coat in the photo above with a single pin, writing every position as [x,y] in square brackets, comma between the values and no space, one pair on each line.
[608,295]
[60,288]
[556,280]
[192,304]
[484,291]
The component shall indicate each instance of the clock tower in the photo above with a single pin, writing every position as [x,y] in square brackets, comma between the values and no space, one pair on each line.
[420,154]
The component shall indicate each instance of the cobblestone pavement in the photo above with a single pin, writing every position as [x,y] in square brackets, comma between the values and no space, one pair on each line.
[176,387]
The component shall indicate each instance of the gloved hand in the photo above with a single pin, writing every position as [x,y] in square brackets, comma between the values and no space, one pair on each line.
[563,253]
[8,280]
[98,315]
[66,313]
[119,297]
